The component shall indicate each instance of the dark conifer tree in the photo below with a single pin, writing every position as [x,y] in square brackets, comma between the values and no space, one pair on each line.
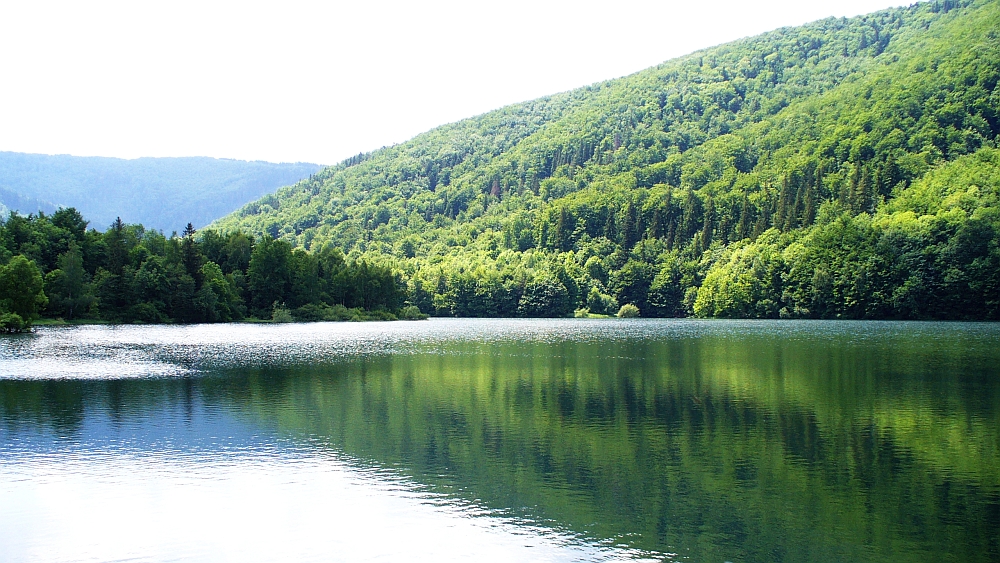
[743,226]
[610,228]
[708,226]
[630,229]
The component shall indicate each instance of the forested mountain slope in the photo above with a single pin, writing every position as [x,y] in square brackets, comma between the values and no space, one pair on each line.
[846,168]
[162,193]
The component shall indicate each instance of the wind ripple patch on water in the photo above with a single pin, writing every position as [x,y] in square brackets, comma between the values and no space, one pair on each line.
[122,352]
[110,352]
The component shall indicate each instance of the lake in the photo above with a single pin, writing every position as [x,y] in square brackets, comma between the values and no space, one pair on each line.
[502,440]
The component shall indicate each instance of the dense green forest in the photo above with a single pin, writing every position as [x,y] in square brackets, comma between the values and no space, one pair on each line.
[160,193]
[847,168]
[53,266]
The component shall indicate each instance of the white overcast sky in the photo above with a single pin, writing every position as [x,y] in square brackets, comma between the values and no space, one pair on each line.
[319,81]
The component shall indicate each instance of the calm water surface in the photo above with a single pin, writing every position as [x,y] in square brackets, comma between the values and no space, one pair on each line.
[486,440]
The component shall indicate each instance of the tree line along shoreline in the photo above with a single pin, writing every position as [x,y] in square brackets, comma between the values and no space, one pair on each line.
[843,265]
[54,267]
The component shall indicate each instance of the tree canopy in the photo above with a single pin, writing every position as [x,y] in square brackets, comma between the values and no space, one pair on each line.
[52,265]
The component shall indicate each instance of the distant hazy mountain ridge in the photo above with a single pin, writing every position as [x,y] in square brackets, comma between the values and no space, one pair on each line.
[12,201]
[161,193]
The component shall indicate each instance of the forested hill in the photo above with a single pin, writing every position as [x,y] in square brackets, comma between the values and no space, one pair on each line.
[161,193]
[845,168]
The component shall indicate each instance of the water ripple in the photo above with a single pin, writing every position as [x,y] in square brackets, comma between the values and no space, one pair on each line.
[109,352]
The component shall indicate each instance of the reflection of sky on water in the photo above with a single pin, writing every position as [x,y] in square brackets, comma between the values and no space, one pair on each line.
[194,485]
[248,508]
[543,440]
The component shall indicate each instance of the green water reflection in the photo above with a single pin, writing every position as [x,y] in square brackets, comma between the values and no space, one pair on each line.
[764,444]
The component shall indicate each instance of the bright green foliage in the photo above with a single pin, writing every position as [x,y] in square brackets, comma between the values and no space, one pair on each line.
[281,314]
[21,294]
[129,274]
[269,275]
[411,313]
[12,322]
[628,311]
[768,173]
[544,297]
[220,294]
[68,288]
[932,252]
[745,282]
